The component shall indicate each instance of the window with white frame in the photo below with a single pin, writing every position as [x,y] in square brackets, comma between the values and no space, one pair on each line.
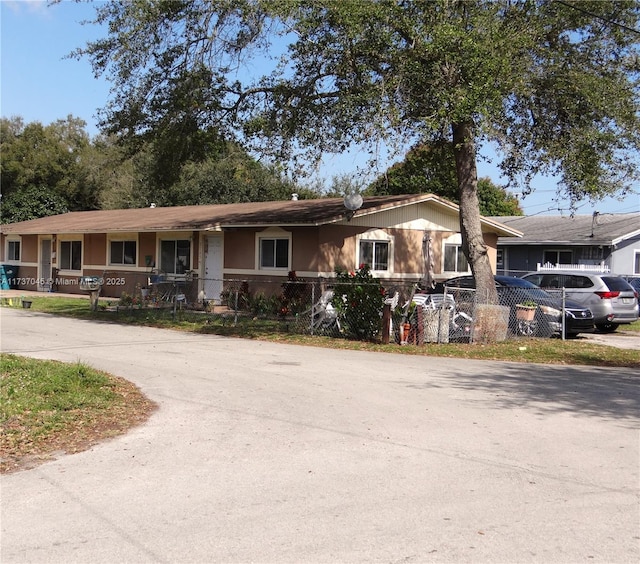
[123,252]
[375,249]
[375,254]
[13,250]
[274,252]
[454,259]
[636,263]
[175,256]
[70,255]
[553,256]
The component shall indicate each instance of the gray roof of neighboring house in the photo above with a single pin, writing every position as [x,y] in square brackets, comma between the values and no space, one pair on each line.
[219,216]
[597,229]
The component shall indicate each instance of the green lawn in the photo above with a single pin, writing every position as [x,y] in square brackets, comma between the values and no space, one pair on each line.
[48,406]
[547,351]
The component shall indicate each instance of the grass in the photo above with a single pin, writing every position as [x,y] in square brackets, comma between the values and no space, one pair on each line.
[545,351]
[48,407]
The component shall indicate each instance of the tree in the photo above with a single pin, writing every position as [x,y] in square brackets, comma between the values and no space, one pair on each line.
[553,83]
[54,157]
[31,202]
[229,178]
[495,200]
[431,169]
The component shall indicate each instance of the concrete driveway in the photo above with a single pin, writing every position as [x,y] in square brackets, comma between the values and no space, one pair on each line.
[272,453]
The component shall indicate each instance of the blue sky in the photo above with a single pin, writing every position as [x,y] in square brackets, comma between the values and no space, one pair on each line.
[38,83]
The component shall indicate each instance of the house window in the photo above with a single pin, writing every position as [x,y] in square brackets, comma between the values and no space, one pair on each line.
[13,251]
[123,252]
[274,253]
[500,259]
[636,264]
[375,254]
[454,259]
[175,256]
[71,255]
[555,257]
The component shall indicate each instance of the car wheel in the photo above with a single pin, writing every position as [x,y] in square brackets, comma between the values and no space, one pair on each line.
[606,327]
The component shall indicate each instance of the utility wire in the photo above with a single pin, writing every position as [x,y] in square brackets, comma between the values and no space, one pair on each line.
[618,24]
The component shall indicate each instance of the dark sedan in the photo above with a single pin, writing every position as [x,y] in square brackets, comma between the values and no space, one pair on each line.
[547,319]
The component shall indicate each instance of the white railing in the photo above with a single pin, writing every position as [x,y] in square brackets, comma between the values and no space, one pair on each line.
[583,267]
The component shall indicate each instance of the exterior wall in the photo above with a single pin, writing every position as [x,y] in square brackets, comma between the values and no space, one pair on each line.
[29,249]
[239,249]
[491,241]
[94,248]
[520,259]
[147,248]
[623,259]
[336,249]
[316,252]
[27,268]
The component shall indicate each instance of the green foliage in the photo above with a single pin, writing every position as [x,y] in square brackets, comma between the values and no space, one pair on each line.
[55,157]
[295,296]
[261,304]
[109,174]
[431,169]
[228,177]
[358,299]
[425,169]
[31,202]
[495,200]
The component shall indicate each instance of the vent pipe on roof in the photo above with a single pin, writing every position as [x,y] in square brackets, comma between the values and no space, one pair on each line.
[294,197]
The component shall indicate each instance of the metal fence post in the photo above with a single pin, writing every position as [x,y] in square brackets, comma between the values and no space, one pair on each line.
[313,305]
[235,316]
[564,316]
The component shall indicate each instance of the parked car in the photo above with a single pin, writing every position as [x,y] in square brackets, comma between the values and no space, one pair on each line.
[611,298]
[548,313]
[635,284]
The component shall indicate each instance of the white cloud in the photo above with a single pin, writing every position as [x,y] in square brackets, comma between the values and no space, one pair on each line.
[38,7]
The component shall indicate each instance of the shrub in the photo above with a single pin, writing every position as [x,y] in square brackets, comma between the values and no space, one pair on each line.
[295,297]
[359,298]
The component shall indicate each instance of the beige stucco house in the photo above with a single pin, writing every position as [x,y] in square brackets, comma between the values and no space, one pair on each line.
[260,241]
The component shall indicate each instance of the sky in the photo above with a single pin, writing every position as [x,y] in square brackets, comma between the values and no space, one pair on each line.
[39,83]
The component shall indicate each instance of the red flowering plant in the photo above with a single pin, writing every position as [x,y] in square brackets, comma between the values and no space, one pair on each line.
[358,299]
[295,295]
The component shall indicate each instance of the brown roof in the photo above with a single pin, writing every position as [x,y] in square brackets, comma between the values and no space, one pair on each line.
[218,216]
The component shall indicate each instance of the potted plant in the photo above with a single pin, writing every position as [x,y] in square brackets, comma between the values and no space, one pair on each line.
[526,310]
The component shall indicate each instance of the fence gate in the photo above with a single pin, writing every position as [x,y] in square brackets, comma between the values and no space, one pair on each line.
[213,264]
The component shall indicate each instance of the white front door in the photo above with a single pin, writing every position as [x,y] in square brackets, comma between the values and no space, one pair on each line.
[213,264]
[44,275]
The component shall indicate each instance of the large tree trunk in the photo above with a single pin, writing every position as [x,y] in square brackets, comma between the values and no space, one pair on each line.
[473,244]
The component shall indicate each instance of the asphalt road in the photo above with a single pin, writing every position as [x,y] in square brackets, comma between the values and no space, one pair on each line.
[268,453]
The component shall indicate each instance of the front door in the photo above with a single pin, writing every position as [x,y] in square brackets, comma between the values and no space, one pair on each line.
[213,264]
[44,275]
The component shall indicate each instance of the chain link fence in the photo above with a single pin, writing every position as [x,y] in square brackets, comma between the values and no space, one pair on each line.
[398,313]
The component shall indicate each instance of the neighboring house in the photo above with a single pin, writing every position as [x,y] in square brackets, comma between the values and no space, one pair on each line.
[605,241]
[260,241]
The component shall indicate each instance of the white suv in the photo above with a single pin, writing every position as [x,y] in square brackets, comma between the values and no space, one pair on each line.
[611,298]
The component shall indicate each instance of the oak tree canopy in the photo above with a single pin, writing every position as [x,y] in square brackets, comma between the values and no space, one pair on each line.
[552,83]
